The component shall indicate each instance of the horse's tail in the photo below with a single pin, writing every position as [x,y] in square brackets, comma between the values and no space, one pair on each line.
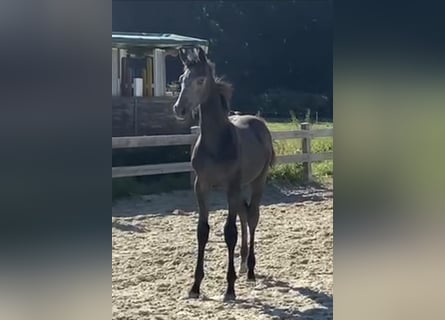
[265,137]
[273,157]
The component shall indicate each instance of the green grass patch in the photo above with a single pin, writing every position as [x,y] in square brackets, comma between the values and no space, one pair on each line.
[293,173]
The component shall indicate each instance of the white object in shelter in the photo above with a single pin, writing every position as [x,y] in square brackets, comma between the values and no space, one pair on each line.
[138,84]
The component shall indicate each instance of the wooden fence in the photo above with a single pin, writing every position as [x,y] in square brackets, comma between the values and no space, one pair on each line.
[306,157]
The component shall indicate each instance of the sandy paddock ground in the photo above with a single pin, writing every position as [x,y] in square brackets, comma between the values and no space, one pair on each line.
[154,252]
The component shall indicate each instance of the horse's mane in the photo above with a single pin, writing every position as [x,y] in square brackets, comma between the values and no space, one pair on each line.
[225,91]
[225,88]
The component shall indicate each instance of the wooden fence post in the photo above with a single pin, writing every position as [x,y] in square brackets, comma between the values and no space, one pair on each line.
[195,130]
[306,149]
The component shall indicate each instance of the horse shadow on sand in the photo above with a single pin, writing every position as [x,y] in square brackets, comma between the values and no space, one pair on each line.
[183,202]
[324,310]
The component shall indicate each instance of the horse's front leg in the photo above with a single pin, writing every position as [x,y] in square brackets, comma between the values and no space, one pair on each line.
[203,236]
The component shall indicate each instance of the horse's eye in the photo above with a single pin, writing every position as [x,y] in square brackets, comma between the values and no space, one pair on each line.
[200,81]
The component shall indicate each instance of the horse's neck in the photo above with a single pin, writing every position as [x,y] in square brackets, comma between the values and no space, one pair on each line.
[213,120]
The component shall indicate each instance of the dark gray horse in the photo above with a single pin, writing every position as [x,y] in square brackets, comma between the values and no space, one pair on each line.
[234,153]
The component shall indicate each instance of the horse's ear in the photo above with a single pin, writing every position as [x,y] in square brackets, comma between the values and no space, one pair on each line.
[202,55]
[183,56]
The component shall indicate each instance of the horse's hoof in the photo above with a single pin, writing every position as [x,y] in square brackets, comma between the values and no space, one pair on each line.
[193,295]
[229,297]
[251,278]
[243,268]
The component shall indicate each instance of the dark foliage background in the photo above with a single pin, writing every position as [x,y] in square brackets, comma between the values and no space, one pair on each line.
[276,53]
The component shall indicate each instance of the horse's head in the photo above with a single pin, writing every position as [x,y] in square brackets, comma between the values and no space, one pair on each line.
[195,82]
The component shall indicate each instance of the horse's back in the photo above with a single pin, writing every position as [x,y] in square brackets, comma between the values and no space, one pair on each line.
[256,145]
[250,123]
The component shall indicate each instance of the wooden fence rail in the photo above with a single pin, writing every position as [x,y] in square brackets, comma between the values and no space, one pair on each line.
[306,157]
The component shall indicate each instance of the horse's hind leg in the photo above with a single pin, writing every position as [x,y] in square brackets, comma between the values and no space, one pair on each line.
[243,221]
[231,235]
[253,215]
